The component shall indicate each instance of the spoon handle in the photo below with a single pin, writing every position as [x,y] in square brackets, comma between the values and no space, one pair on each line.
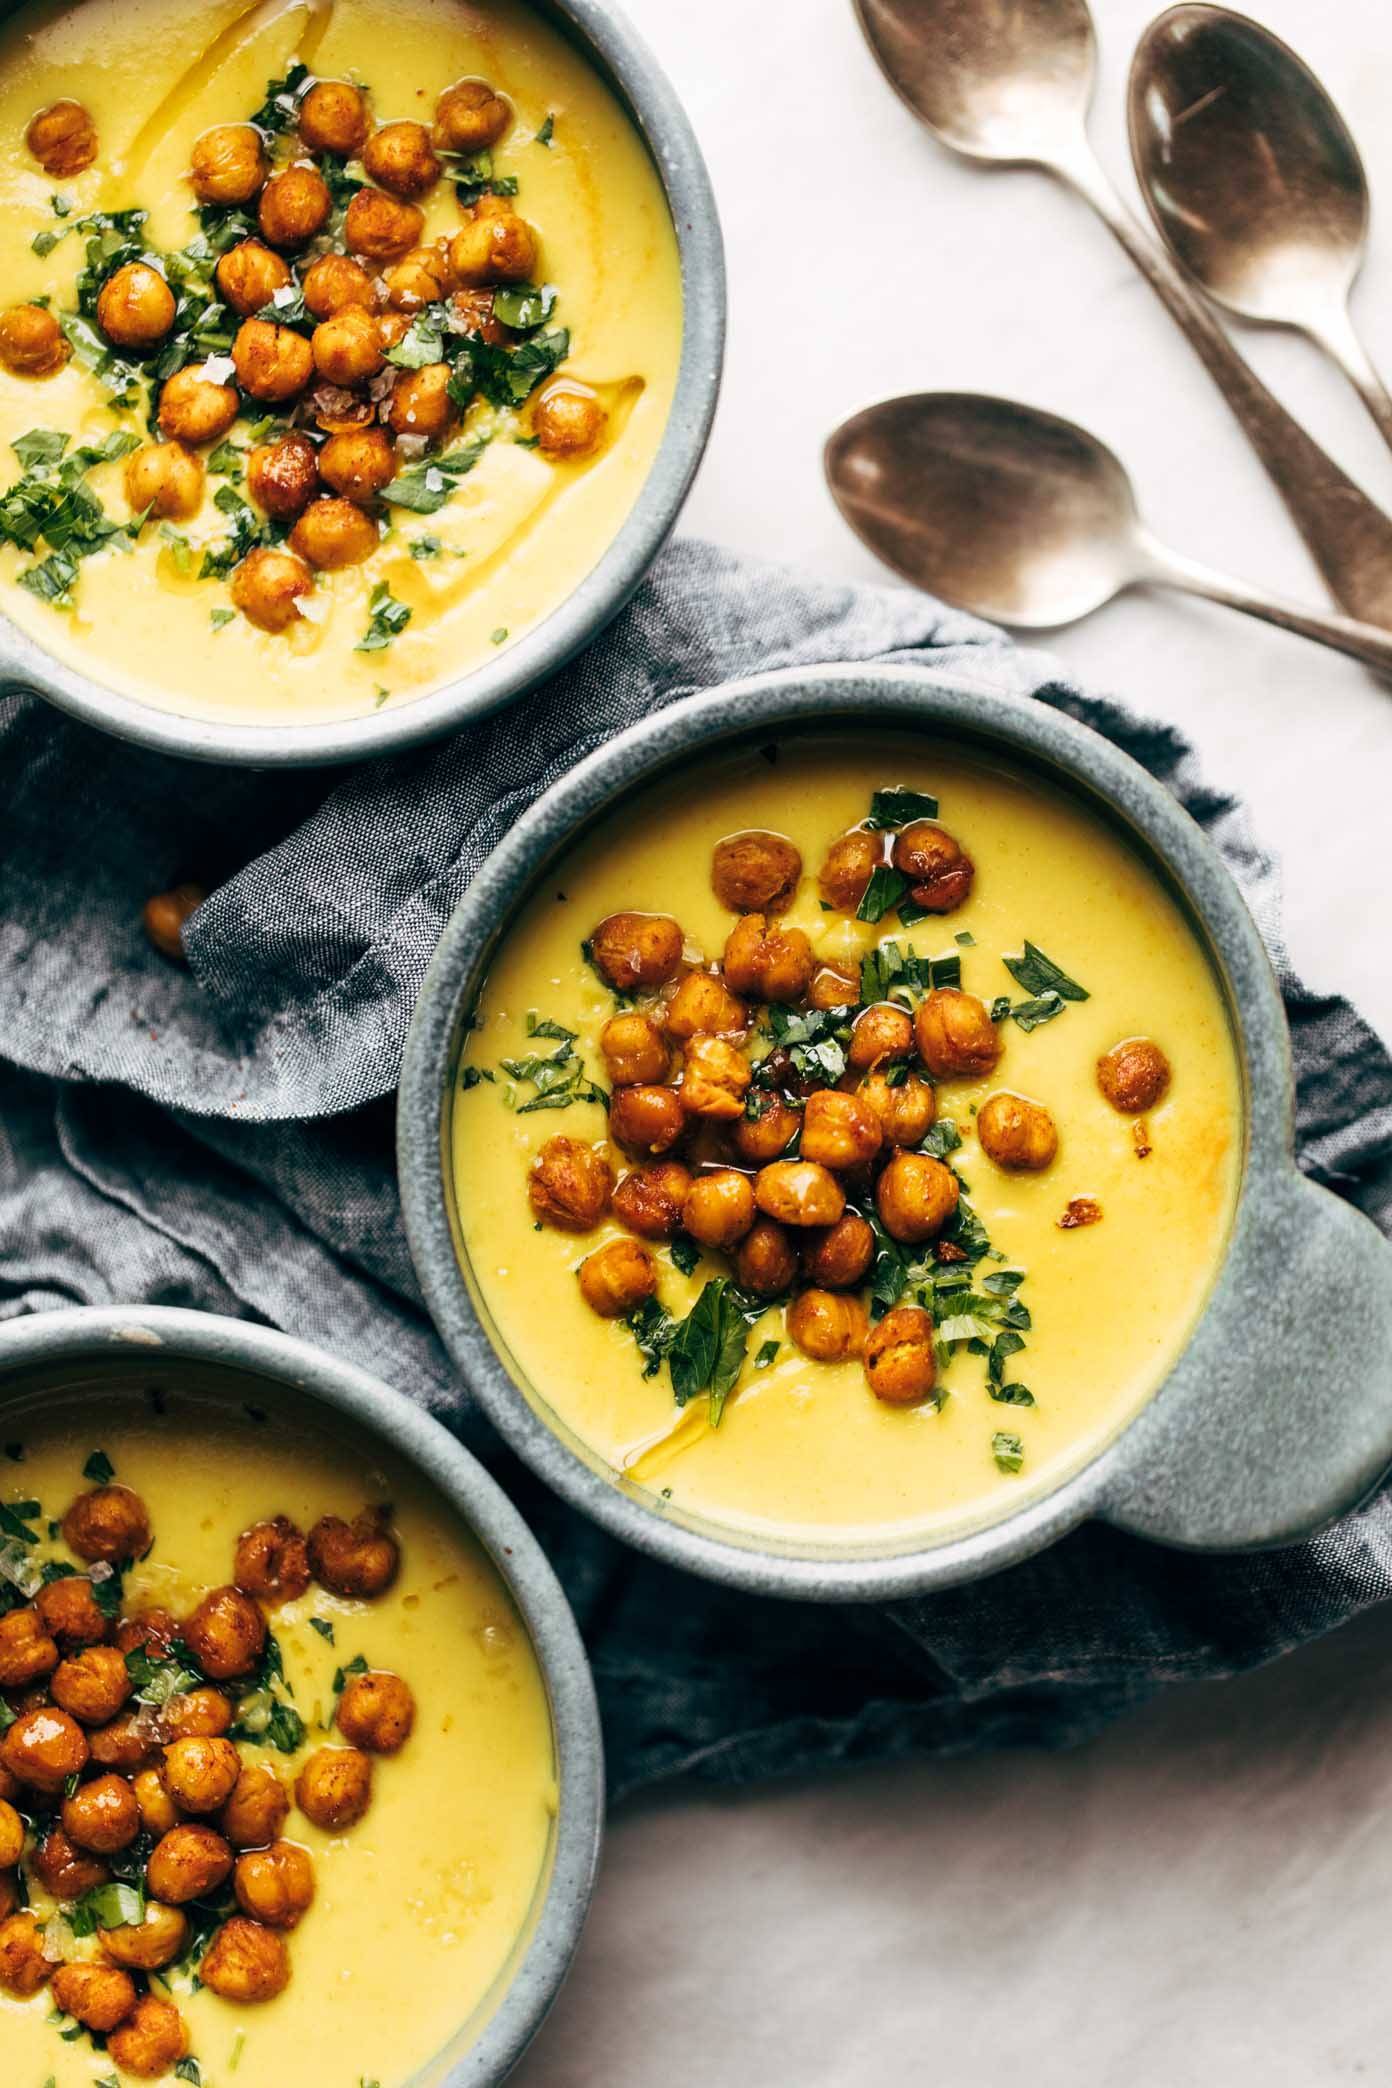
[1340,341]
[1361,641]
[1349,538]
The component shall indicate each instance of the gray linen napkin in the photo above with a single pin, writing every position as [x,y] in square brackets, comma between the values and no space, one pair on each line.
[222,1138]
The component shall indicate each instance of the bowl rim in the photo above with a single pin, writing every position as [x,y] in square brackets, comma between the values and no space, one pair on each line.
[945,702]
[102,1334]
[652,105]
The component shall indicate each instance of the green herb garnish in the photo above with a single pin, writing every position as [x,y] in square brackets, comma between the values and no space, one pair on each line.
[426,486]
[887,887]
[387,619]
[1008,1451]
[898,808]
[99,1469]
[1039,975]
[525,307]
[547,131]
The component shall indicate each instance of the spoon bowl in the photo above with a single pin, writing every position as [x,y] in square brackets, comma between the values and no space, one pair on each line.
[992,79]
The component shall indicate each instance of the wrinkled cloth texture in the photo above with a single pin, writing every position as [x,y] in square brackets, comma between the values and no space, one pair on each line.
[221,1137]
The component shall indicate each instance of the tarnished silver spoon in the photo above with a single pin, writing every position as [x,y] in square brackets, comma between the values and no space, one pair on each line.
[1024,518]
[1010,81]
[1253,179]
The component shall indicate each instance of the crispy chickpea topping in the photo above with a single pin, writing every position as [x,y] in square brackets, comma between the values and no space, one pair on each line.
[110,1524]
[939,870]
[847,868]
[570,1184]
[827,1325]
[642,1119]
[151,1943]
[359,1559]
[246,1962]
[334,1788]
[703,1005]
[151,2041]
[755,872]
[188,1863]
[97,1996]
[27,1653]
[24,1970]
[633,950]
[649,1200]
[63,138]
[1019,1135]
[377,1710]
[272,1561]
[32,343]
[226,1634]
[275,1885]
[1134,1075]
[470,117]
[334,118]
[616,1278]
[900,1362]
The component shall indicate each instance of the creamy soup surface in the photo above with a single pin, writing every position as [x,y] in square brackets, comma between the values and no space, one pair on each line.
[419,1906]
[446,588]
[1097,1311]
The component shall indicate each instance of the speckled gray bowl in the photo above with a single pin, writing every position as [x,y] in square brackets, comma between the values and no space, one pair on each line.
[623,60]
[223,1360]
[1267,1425]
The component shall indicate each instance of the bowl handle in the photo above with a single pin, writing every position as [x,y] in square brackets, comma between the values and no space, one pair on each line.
[1279,1415]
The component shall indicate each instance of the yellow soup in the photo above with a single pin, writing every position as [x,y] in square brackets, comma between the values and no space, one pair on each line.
[487,548]
[1103,1307]
[417,1908]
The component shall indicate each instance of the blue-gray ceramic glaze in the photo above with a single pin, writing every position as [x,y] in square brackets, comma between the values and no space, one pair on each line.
[224,1361]
[1262,1431]
[623,60]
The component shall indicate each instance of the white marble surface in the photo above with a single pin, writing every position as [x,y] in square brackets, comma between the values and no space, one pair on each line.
[1200,1896]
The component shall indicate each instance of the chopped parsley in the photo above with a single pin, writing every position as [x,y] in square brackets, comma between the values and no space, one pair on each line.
[99,1469]
[1008,1451]
[426,486]
[280,110]
[707,1349]
[323,1627]
[52,504]
[387,619]
[887,887]
[557,1078]
[1041,977]
[548,130]
[898,808]
[525,307]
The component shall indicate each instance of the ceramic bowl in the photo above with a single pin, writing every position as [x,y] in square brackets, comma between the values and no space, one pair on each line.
[623,60]
[1263,1429]
[224,1361]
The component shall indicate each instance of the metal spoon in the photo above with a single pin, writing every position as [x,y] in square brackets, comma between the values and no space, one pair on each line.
[1253,179]
[1010,81]
[1024,518]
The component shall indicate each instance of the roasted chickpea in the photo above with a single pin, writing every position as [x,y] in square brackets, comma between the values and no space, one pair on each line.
[833,987]
[257,1810]
[97,1996]
[65,1870]
[335,282]
[283,476]
[646,1119]
[103,1815]
[358,1559]
[195,410]
[1133,1075]
[63,138]
[568,419]
[158,1812]
[766,1263]
[92,1685]
[268,587]
[799,1192]
[1020,1136]
[23,1967]
[767,1128]
[899,1360]
[32,343]
[703,1005]
[649,1200]
[570,1184]
[150,1944]
[333,118]
[165,480]
[272,362]
[228,164]
[838,1258]
[272,1561]
[719,1208]
[246,1962]
[333,533]
[906,1108]
[955,1035]
[196,1714]
[43,1748]
[110,1523]
[152,1630]
[635,1050]
[755,872]
[771,964]
[882,1032]
[839,1130]
[295,206]
[497,248]
[377,1710]
[249,275]
[938,868]
[636,949]
[226,1634]
[201,1775]
[128,1743]
[849,865]
[470,117]
[915,1196]
[26,1651]
[418,278]
[715,1078]
[400,159]
[275,1885]
[188,1863]
[827,1325]
[135,308]
[359,464]
[151,2041]
[11,1836]
[347,349]
[421,403]
[334,1788]
[475,308]
[381,227]
[616,1278]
